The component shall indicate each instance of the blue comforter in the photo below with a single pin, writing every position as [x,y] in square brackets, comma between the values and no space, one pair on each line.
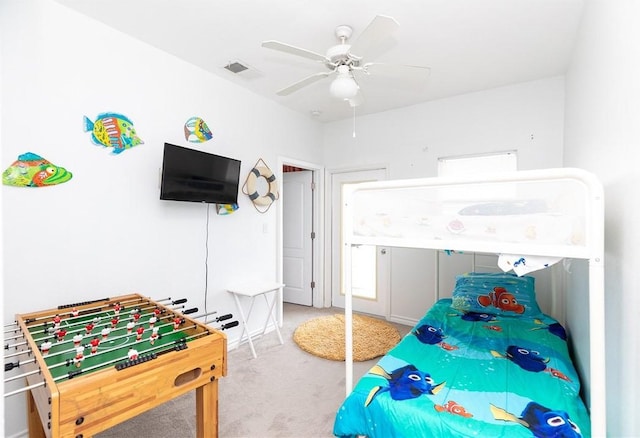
[470,374]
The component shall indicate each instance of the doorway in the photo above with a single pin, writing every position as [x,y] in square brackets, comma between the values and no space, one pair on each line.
[371,265]
[298,235]
[300,225]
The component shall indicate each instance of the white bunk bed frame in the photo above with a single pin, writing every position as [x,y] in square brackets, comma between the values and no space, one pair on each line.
[586,195]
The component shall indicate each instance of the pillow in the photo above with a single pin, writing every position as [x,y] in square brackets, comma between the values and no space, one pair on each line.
[498,294]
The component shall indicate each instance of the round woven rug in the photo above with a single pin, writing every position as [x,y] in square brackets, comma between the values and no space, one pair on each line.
[324,337]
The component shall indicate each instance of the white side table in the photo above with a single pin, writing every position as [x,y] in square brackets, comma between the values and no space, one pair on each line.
[253,290]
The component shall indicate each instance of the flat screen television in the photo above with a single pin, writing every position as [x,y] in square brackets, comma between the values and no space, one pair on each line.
[195,176]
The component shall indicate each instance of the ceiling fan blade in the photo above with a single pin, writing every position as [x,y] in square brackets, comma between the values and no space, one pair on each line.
[303,83]
[288,48]
[396,70]
[380,28]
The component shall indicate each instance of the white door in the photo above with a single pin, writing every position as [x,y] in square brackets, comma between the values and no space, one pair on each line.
[370,265]
[297,244]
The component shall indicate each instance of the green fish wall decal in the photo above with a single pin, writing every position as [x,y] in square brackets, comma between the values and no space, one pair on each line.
[31,170]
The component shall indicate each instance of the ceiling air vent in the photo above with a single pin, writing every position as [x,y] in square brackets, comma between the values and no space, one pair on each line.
[242,70]
[235,67]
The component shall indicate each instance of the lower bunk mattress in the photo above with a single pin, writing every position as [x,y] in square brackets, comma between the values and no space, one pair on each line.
[470,374]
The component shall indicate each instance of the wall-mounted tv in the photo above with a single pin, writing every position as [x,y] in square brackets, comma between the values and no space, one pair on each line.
[195,176]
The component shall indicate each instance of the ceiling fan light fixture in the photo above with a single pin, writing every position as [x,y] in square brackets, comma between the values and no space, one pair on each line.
[344,86]
[346,61]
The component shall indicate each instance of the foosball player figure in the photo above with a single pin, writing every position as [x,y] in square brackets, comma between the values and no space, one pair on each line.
[114,322]
[77,339]
[130,326]
[157,312]
[132,354]
[94,345]
[152,321]
[60,334]
[176,322]
[89,327]
[75,312]
[154,335]
[77,361]
[139,332]
[136,316]
[116,308]
[105,332]
[56,321]
[45,347]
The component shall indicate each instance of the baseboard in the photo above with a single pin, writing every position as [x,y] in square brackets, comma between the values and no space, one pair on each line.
[22,434]
[256,334]
[403,320]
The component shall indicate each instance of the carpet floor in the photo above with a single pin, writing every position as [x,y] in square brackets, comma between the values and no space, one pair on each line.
[284,392]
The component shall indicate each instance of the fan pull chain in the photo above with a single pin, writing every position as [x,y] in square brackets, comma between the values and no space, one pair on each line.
[354,122]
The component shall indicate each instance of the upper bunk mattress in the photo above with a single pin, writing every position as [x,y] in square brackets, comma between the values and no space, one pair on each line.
[546,212]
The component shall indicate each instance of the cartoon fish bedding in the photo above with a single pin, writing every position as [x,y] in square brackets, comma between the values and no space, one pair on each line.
[490,369]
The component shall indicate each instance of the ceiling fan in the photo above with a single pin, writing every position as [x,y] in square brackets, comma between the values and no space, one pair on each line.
[345,61]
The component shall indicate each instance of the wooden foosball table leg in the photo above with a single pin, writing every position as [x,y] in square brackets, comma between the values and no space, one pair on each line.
[207,410]
[35,426]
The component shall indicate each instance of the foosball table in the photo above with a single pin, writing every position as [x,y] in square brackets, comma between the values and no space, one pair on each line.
[90,366]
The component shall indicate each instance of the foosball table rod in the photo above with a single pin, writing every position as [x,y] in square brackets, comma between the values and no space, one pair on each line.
[12,338]
[85,310]
[228,325]
[116,338]
[126,335]
[28,351]
[15,325]
[179,345]
[47,327]
[19,376]
[18,353]
[26,388]
[96,309]
[218,319]
[176,346]
[10,366]
[82,329]
[16,328]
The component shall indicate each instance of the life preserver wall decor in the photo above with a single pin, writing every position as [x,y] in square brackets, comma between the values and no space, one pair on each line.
[261,202]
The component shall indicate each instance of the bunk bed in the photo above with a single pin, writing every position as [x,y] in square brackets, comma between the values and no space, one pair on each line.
[529,219]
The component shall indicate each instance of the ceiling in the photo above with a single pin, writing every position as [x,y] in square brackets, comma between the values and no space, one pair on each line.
[469,45]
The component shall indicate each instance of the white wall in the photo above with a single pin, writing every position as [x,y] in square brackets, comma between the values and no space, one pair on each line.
[410,140]
[601,135]
[526,117]
[105,232]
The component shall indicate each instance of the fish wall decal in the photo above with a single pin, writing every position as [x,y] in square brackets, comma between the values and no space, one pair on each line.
[112,130]
[196,130]
[31,170]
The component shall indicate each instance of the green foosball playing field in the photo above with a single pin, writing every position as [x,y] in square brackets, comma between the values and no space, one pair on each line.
[94,340]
